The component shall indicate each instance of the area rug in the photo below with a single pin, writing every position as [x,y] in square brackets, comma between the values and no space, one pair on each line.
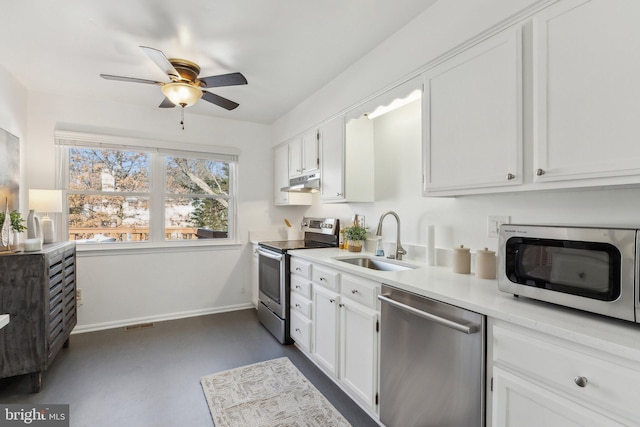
[268,394]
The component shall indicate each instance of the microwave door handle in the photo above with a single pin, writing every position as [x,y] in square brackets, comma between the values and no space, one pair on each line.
[270,255]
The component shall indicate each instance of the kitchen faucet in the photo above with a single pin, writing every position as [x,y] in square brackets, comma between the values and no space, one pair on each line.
[399,249]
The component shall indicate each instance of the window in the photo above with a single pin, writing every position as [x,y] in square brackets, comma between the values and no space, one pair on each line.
[127,193]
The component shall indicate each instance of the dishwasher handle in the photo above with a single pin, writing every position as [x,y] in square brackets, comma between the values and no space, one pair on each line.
[437,319]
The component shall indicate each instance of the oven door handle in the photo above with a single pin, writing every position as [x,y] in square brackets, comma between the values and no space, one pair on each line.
[277,257]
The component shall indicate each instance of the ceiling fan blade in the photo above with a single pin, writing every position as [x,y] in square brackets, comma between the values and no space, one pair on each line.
[166,103]
[161,61]
[130,79]
[218,100]
[231,79]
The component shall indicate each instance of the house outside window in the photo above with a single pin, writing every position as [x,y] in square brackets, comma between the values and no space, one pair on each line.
[128,193]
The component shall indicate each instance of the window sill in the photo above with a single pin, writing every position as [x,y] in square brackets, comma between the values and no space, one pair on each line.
[132,248]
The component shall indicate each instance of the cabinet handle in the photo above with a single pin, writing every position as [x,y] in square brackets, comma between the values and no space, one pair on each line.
[540,172]
[298,269]
[354,291]
[580,381]
[510,176]
[298,287]
[297,329]
[332,300]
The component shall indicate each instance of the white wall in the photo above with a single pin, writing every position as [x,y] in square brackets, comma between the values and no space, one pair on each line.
[13,119]
[459,220]
[127,288]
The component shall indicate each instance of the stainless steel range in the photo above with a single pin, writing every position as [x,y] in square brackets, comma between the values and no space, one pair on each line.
[273,272]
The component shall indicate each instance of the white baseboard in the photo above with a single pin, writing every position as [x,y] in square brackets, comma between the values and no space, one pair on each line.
[158,318]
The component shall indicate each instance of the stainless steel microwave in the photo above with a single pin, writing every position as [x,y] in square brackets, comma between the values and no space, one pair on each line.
[588,268]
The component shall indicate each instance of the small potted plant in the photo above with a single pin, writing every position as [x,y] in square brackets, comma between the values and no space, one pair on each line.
[15,225]
[355,235]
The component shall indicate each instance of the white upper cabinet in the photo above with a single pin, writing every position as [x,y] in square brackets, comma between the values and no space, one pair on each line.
[347,161]
[472,118]
[281,179]
[303,155]
[587,92]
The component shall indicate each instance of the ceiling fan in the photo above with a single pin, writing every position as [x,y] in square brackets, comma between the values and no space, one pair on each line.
[185,88]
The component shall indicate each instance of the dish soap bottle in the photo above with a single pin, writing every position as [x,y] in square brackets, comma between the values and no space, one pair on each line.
[379,250]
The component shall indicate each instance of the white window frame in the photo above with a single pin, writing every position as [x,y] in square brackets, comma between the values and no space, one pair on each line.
[158,151]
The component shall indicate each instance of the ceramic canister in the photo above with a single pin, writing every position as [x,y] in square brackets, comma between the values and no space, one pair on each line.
[486,264]
[461,262]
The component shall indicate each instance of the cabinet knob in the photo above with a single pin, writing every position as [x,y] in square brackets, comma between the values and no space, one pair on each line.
[297,329]
[510,176]
[340,305]
[322,279]
[298,305]
[540,172]
[332,300]
[298,287]
[298,269]
[580,381]
[354,291]
[339,194]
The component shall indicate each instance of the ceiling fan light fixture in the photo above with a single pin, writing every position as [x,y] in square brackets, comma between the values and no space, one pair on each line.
[182,94]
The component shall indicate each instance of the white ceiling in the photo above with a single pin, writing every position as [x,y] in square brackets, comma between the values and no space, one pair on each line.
[287,49]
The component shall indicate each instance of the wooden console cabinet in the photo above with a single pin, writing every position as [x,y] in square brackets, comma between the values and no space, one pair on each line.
[38,291]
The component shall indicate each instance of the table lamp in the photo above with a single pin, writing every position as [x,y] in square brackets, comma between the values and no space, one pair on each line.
[46,201]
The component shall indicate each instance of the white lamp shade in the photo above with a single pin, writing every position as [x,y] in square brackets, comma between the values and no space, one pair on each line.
[45,200]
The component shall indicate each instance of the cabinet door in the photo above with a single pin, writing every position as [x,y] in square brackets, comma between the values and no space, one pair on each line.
[281,179]
[586,90]
[472,107]
[332,160]
[325,328]
[295,158]
[280,175]
[518,402]
[310,160]
[359,350]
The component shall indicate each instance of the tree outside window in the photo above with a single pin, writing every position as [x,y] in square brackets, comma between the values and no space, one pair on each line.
[110,196]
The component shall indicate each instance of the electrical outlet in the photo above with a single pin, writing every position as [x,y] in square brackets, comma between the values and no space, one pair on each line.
[494,222]
[78,294]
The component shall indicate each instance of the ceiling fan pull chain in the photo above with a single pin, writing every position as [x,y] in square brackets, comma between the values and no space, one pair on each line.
[182,117]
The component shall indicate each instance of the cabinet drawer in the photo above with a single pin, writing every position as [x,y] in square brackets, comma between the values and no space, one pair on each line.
[300,304]
[611,381]
[360,290]
[325,277]
[301,286]
[300,267]
[300,330]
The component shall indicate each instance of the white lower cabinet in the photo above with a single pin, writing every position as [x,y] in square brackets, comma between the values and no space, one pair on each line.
[325,328]
[359,350]
[543,380]
[342,314]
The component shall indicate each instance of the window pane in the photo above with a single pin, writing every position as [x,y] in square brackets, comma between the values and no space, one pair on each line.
[108,218]
[108,170]
[197,176]
[195,218]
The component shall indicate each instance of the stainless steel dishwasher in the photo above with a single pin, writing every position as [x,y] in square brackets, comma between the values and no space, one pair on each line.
[432,362]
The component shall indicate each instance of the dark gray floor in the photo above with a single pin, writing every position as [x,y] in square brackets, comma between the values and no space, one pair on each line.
[151,377]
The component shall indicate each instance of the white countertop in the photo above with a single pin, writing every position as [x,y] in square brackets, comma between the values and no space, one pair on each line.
[483,296]
[4,320]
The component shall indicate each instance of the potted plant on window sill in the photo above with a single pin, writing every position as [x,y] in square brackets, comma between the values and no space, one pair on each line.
[355,235]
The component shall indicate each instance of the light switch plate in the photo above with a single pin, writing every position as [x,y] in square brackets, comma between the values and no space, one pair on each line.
[494,222]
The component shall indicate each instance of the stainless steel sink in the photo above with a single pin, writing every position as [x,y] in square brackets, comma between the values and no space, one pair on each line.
[376,264]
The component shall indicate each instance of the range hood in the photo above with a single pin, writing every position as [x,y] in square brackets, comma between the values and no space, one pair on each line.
[303,184]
